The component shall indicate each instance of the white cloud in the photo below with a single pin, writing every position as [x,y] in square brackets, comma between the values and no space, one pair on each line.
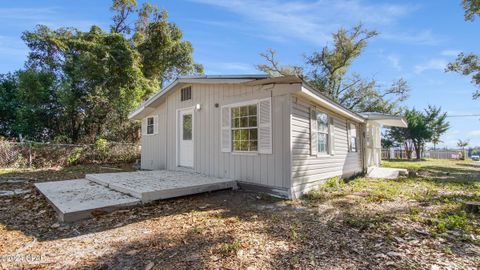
[424,37]
[432,64]
[50,16]
[474,133]
[310,21]
[450,52]
[228,67]
[12,47]
[395,61]
[29,14]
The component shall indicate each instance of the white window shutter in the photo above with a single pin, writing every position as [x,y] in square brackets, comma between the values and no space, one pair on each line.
[155,124]
[348,136]
[265,126]
[144,126]
[226,129]
[331,134]
[313,132]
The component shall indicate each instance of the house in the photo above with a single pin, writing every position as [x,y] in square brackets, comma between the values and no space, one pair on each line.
[271,134]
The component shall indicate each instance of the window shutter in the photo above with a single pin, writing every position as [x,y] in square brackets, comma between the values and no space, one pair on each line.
[265,126]
[348,137]
[313,132]
[155,124]
[226,130]
[331,135]
[144,126]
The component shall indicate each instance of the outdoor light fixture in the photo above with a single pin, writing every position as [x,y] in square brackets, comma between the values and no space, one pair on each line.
[198,107]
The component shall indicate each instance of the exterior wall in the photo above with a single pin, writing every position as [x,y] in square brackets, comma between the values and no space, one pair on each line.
[373,145]
[153,154]
[308,171]
[273,170]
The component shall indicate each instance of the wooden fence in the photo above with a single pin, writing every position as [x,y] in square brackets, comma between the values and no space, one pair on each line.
[435,154]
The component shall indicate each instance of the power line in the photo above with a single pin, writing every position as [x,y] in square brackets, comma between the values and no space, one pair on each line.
[464,115]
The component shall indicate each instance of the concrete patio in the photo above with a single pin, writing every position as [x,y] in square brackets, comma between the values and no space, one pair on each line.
[77,199]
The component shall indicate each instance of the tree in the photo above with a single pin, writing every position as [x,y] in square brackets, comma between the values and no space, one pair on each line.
[468,64]
[8,103]
[463,143]
[438,124]
[472,8]
[164,54]
[123,9]
[84,84]
[327,70]
[38,107]
[422,128]
[99,74]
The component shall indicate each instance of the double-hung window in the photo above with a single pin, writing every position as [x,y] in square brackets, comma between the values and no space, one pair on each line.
[353,137]
[150,125]
[322,133]
[244,128]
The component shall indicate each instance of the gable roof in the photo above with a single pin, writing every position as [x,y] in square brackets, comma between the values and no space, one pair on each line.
[252,79]
[231,79]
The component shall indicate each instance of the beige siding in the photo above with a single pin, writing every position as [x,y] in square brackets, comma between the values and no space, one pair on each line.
[160,151]
[308,170]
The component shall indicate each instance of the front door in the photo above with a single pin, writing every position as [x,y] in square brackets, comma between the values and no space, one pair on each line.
[185,138]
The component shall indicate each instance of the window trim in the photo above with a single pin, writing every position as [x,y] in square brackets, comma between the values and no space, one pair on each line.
[152,125]
[236,105]
[327,146]
[349,137]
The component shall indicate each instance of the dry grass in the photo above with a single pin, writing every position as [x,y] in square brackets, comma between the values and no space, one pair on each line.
[369,224]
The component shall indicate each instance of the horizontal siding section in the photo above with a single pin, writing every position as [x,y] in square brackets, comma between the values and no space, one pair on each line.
[308,171]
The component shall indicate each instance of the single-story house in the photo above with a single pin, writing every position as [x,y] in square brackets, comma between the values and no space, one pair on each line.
[273,134]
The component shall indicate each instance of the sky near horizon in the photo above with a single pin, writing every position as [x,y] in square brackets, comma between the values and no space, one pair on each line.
[417,39]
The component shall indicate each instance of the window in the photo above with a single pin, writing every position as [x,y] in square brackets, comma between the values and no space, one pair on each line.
[150,125]
[187,127]
[322,133]
[244,128]
[186,93]
[353,137]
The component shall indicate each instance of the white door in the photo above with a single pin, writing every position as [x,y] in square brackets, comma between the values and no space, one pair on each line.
[185,138]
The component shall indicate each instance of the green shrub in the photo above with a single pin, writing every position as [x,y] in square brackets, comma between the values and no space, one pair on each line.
[101,145]
[62,139]
[74,157]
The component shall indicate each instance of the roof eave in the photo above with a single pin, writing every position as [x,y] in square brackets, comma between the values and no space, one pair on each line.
[309,92]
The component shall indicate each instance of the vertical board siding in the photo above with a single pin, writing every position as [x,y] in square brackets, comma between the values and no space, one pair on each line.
[265,169]
[153,155]
[308,170]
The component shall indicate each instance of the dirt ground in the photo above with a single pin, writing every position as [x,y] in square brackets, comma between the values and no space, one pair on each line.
[357,227]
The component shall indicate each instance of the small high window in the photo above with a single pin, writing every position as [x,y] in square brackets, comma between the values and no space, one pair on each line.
[150,125]
[186,93]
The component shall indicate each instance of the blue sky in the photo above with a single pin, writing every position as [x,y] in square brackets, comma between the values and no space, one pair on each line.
[417,39]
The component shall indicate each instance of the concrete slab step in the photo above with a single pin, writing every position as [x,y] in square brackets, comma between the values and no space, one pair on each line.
[156,185]
[386,173]
[76,199]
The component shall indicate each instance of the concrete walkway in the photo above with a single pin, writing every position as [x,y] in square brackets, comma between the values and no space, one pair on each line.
[77,199]
[385,173]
